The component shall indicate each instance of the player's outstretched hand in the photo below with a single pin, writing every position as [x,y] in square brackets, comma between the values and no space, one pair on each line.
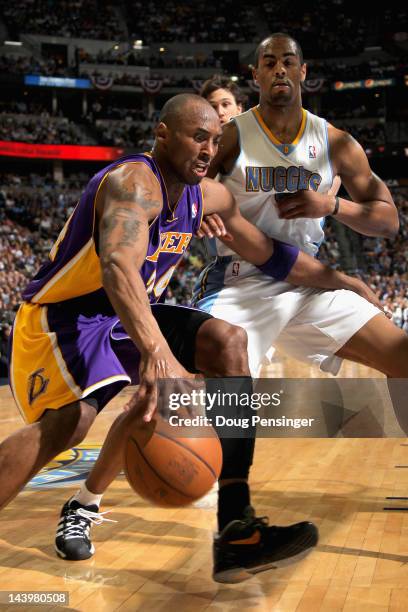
[364,290]
[304,203]
[213,225]
[160,364]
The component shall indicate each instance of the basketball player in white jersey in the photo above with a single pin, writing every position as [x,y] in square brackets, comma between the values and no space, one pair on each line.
[279,161]
[279,148]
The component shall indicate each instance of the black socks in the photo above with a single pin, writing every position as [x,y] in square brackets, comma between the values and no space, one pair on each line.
[232,500]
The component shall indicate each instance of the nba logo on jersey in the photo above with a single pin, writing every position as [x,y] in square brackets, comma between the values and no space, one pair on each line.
[235,268]
[194,210]
[312,152]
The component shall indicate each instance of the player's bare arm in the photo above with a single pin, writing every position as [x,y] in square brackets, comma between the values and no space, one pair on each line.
[371,212]
[245,238]
[257,248]
[129,199]
[228,151]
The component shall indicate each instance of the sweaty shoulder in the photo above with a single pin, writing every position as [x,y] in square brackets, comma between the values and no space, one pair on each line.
[228,151]
[131,183]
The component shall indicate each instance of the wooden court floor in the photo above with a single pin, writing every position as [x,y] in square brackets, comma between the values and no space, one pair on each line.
[155,559]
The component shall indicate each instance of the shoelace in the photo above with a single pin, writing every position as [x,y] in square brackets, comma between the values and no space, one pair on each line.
[255,521]
[261,521]
[78,521]
[96,518]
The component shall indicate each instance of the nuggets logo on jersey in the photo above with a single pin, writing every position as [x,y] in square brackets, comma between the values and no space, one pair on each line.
[268,178]
[267,167]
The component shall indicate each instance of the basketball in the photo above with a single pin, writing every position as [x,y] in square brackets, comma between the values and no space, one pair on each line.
[171,471]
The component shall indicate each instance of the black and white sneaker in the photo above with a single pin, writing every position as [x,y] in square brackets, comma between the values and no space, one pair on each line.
[72,541]
[248,546]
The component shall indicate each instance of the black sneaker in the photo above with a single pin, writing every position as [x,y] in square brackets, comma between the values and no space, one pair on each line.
[72,541]
[248,546]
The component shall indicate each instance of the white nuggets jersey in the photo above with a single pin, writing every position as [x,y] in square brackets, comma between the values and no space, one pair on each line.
[265,166]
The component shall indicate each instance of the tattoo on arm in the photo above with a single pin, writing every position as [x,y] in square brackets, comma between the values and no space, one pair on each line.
[124,220]
[130,191]
[131,229]
[131,203]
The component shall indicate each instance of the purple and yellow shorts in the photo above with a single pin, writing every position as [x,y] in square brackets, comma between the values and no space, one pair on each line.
[61,353]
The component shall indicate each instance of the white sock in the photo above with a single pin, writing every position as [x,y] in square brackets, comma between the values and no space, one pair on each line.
[86,498]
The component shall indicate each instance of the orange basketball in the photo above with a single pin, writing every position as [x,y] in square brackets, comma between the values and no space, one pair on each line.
[169,470]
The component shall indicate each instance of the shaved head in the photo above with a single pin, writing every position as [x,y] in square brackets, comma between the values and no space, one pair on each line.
[183,108]
[187,138]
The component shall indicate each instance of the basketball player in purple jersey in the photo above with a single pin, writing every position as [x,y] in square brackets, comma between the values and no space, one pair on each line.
[91,324]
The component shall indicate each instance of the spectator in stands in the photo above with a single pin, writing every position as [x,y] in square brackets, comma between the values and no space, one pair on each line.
[41,128]
[72,18]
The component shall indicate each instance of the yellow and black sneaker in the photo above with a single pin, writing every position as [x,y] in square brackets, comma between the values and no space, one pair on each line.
[248,546]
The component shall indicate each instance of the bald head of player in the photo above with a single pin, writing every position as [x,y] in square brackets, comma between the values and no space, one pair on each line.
[279,70]
[187,138]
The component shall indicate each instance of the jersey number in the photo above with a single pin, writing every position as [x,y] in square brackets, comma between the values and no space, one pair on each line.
[157,287]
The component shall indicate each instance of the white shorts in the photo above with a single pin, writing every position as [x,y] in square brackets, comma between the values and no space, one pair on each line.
[308,324]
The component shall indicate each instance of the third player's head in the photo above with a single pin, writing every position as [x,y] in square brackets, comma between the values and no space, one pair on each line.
[187,137]
[279,70]
[225,97]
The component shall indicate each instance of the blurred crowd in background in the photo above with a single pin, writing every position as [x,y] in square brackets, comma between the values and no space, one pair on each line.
[103,124]
[344,27]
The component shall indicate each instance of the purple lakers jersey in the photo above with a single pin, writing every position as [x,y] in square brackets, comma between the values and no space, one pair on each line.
[73,268]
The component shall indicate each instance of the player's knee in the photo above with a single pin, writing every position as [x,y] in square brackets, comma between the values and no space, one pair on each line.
[396,362]
[64,428]
[234,344]
[86,417]
[222,350]
[397,370]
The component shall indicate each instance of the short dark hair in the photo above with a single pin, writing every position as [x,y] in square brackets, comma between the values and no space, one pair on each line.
[278,35]
[219,81]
